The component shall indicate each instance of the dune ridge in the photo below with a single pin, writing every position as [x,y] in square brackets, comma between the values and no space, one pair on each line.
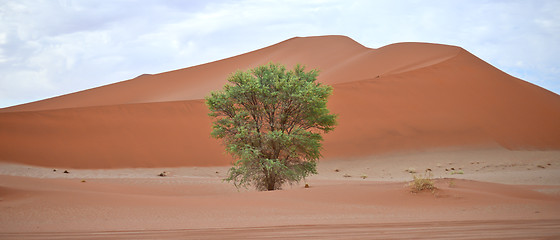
[340,59]
[400,97]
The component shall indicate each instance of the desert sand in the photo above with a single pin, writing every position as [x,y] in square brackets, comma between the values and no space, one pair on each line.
[501,194]
[491,141]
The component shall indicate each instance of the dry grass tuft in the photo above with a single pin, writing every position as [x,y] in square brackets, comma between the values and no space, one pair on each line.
[420,183]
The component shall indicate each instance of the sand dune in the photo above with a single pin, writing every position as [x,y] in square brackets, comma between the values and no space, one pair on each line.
[194,83]
[492,142]
[401,97]
[136,135]
[340,59]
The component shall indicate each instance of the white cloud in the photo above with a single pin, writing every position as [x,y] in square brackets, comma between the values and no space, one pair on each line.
[49,48]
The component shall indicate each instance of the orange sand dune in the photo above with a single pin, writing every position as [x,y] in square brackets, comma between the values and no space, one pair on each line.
[135,135]
[401,97]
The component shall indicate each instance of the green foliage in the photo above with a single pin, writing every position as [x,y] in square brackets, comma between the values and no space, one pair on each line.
[271,120]
[457,172]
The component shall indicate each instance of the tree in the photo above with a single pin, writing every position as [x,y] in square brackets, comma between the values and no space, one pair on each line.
[271,121]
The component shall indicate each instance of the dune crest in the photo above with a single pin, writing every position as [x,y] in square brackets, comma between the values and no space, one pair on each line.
[400,97]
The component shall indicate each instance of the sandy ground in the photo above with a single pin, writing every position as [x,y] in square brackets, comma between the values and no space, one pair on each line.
[483,194]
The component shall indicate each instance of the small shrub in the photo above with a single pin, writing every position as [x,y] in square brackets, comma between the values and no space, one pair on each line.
[457,172]
[363,176]
[420,183]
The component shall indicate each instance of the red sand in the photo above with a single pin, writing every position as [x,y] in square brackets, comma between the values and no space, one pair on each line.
[204,207]
[401,97]
[400,106]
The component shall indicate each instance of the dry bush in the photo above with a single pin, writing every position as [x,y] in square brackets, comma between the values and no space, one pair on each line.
[420,183]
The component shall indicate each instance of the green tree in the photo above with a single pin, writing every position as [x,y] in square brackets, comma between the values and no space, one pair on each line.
[271,121]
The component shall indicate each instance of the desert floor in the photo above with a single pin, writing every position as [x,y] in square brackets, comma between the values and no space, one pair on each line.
[482,194]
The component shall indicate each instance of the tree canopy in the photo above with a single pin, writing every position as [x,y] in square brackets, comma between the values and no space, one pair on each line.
[271,119]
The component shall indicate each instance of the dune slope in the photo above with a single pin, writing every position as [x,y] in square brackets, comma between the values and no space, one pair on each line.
[401,97]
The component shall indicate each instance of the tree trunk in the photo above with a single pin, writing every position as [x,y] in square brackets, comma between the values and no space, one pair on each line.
[270,183]
[270,187]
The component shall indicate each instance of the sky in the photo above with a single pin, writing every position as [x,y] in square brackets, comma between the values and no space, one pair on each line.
[50,48]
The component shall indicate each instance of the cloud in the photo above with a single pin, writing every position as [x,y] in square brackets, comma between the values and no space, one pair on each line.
[49,48]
